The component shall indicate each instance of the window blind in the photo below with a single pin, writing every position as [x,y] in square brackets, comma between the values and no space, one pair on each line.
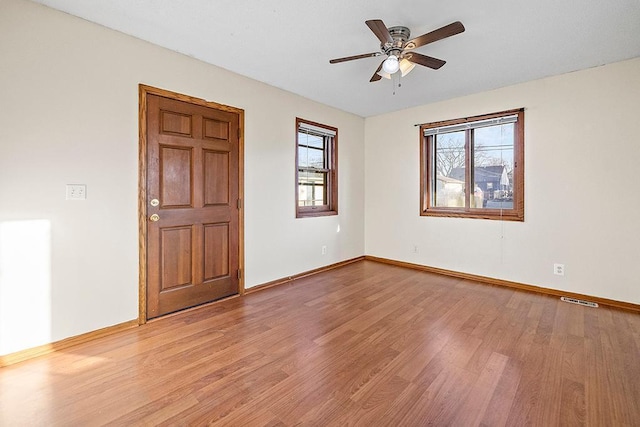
[471,125]
[309,128]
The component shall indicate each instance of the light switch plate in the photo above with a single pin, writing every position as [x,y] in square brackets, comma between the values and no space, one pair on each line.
[76,192]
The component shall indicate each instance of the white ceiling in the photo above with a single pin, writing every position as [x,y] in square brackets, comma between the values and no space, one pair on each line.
[288,43]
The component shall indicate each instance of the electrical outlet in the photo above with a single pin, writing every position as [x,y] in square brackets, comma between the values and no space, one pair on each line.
[558,269]
[415,249]
[324,250]
[76,192]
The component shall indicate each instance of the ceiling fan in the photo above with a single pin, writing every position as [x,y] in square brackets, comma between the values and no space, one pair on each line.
[395,43]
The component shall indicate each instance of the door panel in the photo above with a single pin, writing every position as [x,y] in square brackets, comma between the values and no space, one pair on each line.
[175,123]
[216,174]
[216,129]
[176,257]
[216,245]
[176,170]
[193,171]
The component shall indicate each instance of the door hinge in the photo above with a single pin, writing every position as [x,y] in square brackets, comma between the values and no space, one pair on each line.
[239,133]
[239,274]
[239,203]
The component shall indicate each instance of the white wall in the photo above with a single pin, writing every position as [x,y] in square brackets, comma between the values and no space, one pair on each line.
[69,115]
[582,157]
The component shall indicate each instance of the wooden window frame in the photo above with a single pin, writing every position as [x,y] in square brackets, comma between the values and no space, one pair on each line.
[331,151]
[427,172]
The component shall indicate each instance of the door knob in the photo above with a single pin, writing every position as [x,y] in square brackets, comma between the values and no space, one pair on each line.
[154,202]
[154,217]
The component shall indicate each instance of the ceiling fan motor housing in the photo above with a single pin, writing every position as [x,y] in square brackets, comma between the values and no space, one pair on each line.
[400,36]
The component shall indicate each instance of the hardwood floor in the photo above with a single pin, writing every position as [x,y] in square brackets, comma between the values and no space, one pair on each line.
[366,344]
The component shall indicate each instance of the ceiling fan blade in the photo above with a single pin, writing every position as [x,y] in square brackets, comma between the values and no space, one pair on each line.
[425,60]
[380,30]
[434,36]
[376,76]
[351,58]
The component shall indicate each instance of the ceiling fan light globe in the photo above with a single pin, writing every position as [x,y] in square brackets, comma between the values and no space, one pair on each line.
[406,66]
[391,64]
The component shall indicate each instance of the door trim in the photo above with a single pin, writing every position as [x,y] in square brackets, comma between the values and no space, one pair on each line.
[145,90]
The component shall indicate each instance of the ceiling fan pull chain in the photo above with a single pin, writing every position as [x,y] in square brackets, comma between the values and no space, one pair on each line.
[395,78]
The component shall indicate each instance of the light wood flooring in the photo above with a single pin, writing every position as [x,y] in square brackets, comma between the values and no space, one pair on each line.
[366,344]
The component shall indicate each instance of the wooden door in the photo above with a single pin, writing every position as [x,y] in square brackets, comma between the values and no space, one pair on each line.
[193,206]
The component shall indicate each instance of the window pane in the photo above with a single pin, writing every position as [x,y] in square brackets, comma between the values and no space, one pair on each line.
[449,157]
[493,167]
[310,140]
[311,157]
[311,188]
[308,154]
[303,156]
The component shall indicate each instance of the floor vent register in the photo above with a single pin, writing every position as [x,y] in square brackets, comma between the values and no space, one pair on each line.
[579,302]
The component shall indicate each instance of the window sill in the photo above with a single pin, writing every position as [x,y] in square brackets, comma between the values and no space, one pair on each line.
[314,213]
[490,214]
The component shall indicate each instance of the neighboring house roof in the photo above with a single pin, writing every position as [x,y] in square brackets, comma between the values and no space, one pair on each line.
[482,173]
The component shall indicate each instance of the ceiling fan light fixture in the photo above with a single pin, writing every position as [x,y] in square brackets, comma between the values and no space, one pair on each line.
[391,64]
[406,66]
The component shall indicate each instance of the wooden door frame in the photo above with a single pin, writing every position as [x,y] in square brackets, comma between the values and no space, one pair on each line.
[145,90]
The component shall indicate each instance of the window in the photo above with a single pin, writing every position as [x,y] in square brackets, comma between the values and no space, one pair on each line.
[474,167]
[316,169]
